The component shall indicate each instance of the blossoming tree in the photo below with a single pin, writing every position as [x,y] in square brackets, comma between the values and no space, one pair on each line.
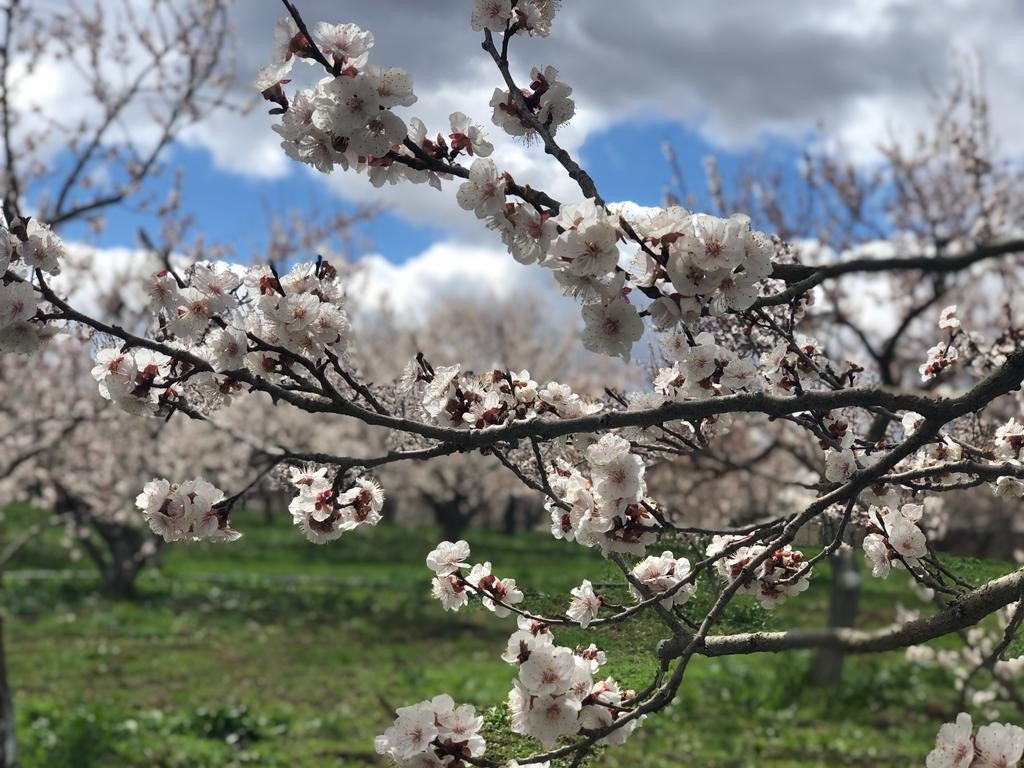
[731,310]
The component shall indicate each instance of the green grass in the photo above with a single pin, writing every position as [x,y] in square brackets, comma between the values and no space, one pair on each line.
[274,652]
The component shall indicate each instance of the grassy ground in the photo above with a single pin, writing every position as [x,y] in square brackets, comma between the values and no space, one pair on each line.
[273,652]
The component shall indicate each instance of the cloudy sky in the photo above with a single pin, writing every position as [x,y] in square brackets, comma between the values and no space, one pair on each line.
[747,80]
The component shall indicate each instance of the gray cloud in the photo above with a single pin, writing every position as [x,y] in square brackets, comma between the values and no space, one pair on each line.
[735,71]
[745,65]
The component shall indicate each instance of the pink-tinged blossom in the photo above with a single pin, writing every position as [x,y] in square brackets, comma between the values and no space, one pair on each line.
[226,349]
[286,36]
[940,357]
[348,105]
[115,372]
[948,319]
[1009,440]
[586,251]
[612,329]
[999,745]
[615,471]
[217,283]
[548,670]
[490,14]
[495,593]
[309,476]
[448,557]
[164,292]
[193,314]
[428,734]
[344,45]
[954,745]
[468,136]
[548,718]
[393,86]
[840,465]
[42,249]
[460,726]
[660,574]
[521,643]
[412,732]
[556,108]
[363,503]
[382,130]
[17,303]
[190,511]
[585,604]
[534,17]
[6,248]
[1008,488]
[484,193]
[449,591]
[894,538]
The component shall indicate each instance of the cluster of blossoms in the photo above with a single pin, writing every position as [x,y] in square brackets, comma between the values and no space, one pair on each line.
[555,694]
[606,510]
[995,745]
[346,119]
[792,368]
[433,734]
[24,247]
[665,574]
[546,102]
[235,321]
[322,515]
[701,369]
[944,354]
[696,260]
[686,263]
[452,399]
[192,511]
[532,17]
[940,357]
[782,574]
[894,537]
[451,587]
[132,379]
[1009,440]
[934,456]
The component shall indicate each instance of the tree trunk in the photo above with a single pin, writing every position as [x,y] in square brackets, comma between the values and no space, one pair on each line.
[844,591]
[124,545]
[8,751]
[511,524]
[454,521]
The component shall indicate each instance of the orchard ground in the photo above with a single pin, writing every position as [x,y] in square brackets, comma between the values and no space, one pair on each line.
[275,652]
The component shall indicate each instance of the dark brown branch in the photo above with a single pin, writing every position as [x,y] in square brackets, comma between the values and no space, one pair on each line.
[962,612]
[808,277]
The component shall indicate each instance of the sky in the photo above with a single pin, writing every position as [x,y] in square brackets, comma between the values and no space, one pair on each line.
[749,81]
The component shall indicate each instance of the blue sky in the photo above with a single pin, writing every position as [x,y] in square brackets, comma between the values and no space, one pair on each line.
[626,160]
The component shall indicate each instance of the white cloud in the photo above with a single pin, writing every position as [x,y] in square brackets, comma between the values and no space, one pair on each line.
[445,270]
[451,269]
[736,71]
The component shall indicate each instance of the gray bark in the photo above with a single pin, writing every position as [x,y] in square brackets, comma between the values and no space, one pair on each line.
[8,747]
[844,593]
